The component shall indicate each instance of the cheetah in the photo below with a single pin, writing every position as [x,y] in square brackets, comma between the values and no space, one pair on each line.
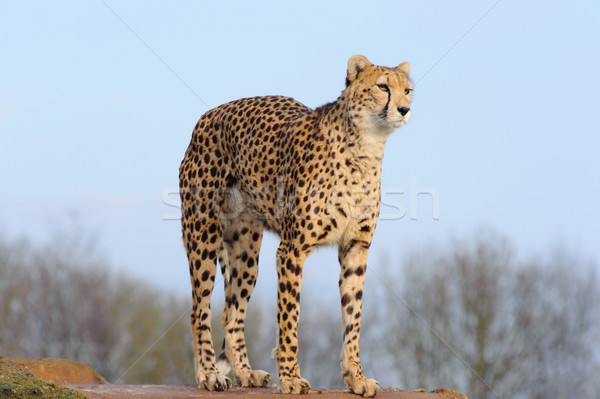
[310,176]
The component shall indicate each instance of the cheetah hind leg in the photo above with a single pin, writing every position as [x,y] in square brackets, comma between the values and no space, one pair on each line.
[245,377]
[207,374]
[222,362]
[243,251]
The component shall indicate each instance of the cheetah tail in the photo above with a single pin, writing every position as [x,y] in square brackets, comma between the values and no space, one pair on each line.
[223,364]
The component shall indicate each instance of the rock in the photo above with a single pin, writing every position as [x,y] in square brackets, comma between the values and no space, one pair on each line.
[60,371]
[448,393]
[109,391]
[29,379]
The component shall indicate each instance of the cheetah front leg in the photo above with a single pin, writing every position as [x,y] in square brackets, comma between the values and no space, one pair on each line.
[290,260]
[353,260]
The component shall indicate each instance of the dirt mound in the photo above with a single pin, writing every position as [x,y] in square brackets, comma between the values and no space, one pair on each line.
[60,371]
[16,381]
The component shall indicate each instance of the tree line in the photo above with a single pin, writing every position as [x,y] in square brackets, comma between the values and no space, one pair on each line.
[469,315]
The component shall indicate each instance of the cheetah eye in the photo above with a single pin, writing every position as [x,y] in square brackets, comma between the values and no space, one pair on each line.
[383,87]
[407,91]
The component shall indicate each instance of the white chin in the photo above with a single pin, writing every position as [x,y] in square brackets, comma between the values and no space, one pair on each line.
[398,124]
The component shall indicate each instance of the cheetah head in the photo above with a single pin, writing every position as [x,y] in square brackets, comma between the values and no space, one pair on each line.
[378,97]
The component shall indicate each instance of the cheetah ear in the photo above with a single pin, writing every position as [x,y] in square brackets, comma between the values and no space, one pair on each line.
[404,68]
[356,65]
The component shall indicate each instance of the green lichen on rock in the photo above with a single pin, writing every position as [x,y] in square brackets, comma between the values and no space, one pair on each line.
[18,383]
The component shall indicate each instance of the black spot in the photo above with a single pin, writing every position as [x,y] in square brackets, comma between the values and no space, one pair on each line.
[345,299]
[205,275]
[349,329]
[289,265]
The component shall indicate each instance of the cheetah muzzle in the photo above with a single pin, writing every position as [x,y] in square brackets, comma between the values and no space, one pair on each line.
[312,177]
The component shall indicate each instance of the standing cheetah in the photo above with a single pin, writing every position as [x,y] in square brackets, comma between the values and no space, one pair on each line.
[310,176]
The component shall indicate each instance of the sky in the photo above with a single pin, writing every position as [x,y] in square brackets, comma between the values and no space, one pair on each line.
[98,100]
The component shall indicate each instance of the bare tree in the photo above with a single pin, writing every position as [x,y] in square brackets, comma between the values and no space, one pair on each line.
[474,319]
[63,300]
[469,316]
[320,341]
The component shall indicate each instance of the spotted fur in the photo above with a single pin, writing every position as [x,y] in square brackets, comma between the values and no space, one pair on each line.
[310,176]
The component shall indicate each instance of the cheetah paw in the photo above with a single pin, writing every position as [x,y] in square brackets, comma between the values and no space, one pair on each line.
[294,385]
[365,387]
[253,378]
[215,382]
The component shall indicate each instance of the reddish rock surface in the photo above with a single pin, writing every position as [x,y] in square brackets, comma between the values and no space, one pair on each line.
[108,391]
[82,378]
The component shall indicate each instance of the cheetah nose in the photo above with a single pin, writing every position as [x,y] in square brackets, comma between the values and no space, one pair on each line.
[403,110]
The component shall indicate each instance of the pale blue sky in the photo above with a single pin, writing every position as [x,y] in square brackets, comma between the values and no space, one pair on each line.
[505,126]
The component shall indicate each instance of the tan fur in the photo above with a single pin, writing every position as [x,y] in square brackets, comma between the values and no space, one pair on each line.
[310,176]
